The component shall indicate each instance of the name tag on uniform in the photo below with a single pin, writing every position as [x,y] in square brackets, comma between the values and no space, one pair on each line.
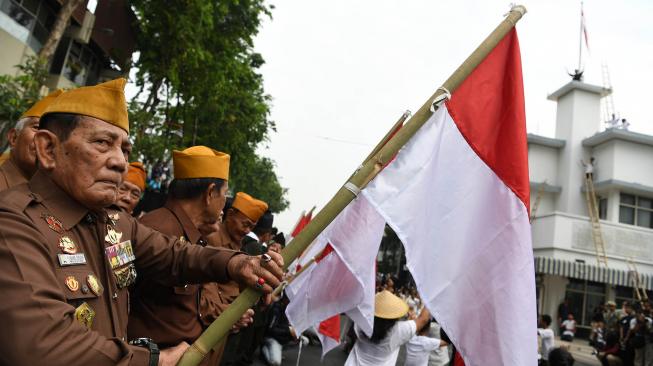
[71,259]
[120,254]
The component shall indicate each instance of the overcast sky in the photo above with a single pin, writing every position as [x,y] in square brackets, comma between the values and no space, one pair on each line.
[342,72]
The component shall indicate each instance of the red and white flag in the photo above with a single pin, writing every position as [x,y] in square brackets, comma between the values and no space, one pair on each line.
[457,195]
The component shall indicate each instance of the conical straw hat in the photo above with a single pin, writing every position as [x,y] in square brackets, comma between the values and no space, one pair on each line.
[389,306]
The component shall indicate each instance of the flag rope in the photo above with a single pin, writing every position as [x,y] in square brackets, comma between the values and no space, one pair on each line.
[221,326]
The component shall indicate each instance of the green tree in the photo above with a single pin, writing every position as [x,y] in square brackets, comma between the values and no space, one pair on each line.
[18,93]
[199,84]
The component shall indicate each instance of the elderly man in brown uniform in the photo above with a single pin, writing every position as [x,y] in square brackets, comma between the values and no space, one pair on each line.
[67,259]
[21,163]
[170,315]
[239,220]
[132,187]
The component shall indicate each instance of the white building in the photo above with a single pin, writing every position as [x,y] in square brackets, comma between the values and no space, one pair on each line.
[563,245]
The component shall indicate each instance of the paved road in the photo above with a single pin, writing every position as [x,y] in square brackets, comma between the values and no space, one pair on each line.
[311,356]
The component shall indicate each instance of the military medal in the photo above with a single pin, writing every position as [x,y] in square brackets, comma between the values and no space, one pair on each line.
[85,315]
[112,236]
[94,285]
[71,259]
[67,245]
[125,276]
[53,223]
[114,218]
[72,283]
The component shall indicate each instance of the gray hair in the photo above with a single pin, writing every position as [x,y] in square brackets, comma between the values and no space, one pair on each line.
[21,123]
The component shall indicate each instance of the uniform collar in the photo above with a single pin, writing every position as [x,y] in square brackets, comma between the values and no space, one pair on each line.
[190,230]
[13,174]
[59,203]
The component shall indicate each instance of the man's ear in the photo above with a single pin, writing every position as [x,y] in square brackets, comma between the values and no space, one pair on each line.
[46,144]
[209,193]
[12,137]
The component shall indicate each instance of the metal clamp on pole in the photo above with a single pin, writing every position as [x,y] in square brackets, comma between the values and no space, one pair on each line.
[351,187]
[446,95]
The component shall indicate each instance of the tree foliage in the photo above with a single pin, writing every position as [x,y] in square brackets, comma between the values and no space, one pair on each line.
[199,84]
[18,93]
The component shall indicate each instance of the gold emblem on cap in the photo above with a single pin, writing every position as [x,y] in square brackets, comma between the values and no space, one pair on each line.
[67,245]
[72,283]
[94,285]
[113,236]
[85,315]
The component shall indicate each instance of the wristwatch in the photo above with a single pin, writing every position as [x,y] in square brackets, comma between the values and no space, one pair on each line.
[149,344]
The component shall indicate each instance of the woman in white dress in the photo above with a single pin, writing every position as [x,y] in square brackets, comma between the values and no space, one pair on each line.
[389,334]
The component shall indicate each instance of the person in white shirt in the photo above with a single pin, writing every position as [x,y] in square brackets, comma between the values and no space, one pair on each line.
[382,347]
[420,347]
[568,328]
[546,335]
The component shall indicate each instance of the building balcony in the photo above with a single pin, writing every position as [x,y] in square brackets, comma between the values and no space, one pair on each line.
[569,237]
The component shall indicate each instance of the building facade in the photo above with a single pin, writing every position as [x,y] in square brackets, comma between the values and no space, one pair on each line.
[97,44]
[563,245]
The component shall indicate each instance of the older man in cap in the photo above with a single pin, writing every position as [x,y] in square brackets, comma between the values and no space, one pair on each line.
[132,187]
[239,220]
[21,163]
[196,196]
[67,259]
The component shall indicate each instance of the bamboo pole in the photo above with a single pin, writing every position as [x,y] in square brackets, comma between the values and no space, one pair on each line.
[216,331]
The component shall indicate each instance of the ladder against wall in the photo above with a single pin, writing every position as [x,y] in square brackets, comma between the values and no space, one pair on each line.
[597,234]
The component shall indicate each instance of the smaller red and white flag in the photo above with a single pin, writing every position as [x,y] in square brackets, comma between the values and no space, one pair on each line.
[583,26]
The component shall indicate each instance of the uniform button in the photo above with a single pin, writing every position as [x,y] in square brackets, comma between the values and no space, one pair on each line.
[115,295]
[186,286]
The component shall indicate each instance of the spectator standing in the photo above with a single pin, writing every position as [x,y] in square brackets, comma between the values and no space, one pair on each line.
[382,347]
[547,337]
[420,347]
[568,328]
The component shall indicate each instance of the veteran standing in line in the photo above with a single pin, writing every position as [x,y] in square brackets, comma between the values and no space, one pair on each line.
[196,196]
[132,187]
[21,163]
[67,260]
[239,220]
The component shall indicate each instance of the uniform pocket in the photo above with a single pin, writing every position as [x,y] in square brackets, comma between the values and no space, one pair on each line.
[75,283]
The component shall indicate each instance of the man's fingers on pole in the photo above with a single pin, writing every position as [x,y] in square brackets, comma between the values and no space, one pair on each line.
[270,280]
[273,267]
[277,258]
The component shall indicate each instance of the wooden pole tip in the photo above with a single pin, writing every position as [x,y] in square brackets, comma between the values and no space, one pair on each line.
[521,9]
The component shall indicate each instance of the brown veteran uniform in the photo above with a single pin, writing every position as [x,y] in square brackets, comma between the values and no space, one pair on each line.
[168,314]
[65,269]
[65,272]
[10,175]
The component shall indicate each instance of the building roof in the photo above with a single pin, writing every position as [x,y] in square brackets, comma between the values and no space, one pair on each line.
[618,134]
[546,141]
[580,86]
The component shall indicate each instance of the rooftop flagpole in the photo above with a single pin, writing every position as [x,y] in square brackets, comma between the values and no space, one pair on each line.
[221,326]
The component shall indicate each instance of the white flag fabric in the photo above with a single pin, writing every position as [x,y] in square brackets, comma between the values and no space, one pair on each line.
[457,197]
[344,280]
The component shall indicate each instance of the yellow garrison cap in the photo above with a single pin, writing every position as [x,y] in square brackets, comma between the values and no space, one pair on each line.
[104,101]
[39,107]
[249,206]
[200,162]
[389,306]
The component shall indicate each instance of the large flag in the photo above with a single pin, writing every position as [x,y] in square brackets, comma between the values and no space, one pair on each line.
[458,198]
[457,195]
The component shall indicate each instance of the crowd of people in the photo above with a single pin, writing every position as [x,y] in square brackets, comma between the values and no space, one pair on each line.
[620,337]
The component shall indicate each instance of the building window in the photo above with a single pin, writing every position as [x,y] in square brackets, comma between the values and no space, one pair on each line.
[623,293]
[584,297]
[35,16]
[603,207]
[635,210]
[76,62]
